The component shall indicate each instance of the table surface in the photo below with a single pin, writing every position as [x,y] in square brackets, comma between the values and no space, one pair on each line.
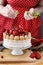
[23,60]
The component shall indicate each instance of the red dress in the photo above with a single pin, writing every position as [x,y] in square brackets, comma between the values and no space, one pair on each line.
[21,6]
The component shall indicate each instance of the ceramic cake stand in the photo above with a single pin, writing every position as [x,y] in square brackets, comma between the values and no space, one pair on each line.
[17,46]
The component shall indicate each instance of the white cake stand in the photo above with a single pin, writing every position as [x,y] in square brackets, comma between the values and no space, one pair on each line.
[17,47]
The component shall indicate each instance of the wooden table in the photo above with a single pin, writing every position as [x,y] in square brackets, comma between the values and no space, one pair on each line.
[19,60]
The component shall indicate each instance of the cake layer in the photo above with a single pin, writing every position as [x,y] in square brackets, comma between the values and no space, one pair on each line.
[17,44]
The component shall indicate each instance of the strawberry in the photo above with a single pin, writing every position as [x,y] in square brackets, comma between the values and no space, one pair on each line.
[37,55]
[32,55]
[20,30]
[10,32]
[15,32]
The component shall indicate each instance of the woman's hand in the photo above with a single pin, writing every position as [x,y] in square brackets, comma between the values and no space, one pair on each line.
[28,15]
[7,11]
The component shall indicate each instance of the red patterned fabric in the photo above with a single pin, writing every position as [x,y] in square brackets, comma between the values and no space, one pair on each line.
[2,20]
[37,42]
[1,33]
[21,5]
[36,27]
[8,24]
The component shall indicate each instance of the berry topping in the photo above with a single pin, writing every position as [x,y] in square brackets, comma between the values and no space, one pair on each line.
[10,31]
[32,55]
[20,29]
[15,32]
[7,32]
[37,55]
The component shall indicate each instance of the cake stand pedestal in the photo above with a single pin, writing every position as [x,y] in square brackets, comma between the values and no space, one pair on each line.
[17,47]
[17,52]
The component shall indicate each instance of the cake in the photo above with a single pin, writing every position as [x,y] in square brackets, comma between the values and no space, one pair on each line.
[19,40]
[15,39]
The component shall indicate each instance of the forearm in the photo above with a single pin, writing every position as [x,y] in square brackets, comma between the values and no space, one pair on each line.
[41,3]
[39,8]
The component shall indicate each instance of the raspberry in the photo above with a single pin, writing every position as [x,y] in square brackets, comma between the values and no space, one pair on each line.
[15,32]
[37,55]
[20,30]
[32,55]
[10,31]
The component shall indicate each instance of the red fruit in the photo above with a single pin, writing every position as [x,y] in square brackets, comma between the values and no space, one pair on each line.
[7,31]
[37,55]
[20,30]
[23,34]
[32,55]
[10,31]
[15,32]
[20,34]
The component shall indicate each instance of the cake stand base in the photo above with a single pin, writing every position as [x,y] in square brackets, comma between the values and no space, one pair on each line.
[17,52]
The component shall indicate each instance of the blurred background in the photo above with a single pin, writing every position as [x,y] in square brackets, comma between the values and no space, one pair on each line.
[40,8]
[42,24]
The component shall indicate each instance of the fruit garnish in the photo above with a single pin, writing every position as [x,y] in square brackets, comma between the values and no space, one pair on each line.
[37,55]
[20,30]
[10,31]
[26,33]
[32,55]
[15,33]
[7,32]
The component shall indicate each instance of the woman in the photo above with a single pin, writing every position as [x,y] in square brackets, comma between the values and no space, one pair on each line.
[9,20]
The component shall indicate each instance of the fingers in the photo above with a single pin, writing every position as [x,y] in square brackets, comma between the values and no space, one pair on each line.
[7,11]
